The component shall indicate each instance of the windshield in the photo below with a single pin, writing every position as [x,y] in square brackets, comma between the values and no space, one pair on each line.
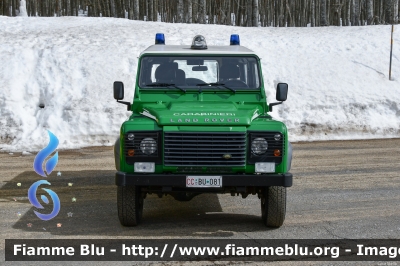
[240,72]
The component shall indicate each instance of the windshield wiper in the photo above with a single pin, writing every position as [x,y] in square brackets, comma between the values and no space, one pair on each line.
[165,85]
[217,85]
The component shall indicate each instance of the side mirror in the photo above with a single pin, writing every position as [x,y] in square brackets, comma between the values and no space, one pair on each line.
[119,94]
[281,95]
[118,90]
[281,92]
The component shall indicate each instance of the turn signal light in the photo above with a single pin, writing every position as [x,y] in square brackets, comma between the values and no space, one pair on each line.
[131,153]
[277,153]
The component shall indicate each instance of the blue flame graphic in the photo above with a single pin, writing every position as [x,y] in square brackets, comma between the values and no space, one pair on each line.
[42,155]
[32,198]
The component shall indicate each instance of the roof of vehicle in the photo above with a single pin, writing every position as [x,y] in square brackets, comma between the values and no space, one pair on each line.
[185,49]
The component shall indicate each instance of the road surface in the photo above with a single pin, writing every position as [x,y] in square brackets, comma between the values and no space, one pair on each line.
[341,189]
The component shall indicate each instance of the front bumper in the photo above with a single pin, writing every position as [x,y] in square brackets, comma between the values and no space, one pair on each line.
[172,180]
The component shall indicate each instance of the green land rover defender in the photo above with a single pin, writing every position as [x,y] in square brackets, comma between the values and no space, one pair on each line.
[200,124]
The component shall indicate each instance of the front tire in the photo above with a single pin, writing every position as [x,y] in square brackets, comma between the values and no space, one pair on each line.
[273,206]
[130,205]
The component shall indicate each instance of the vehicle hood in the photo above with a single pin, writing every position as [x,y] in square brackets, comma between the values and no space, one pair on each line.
[202,113]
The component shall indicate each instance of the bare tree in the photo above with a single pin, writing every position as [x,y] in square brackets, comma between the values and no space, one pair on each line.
[370,16]
[396,11]
[348,12]
[228,12]
[68,8]
[136,9]
[249,13]
[293,13]
[323,13]
[255,13]
[180,11]
[59,7]
[112,8]
[202,11]
[312,13]
[189,11]
[388,11]
[150,10]
[195,9]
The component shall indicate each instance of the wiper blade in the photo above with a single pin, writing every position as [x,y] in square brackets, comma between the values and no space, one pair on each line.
[217,85]
[165,85]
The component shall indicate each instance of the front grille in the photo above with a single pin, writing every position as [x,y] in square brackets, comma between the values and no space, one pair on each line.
[204,148]
[204,170]
[273,144]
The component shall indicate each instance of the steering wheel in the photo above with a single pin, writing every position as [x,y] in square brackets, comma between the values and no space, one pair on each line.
[235,83]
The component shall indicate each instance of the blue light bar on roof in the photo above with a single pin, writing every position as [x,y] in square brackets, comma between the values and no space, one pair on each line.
[160,39]
[235,39]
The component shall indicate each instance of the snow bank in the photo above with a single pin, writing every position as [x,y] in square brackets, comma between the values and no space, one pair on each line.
[337,76]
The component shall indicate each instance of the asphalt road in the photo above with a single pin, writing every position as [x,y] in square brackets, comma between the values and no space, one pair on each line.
[341,189]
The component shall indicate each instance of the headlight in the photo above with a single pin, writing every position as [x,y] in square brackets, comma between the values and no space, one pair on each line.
[148,146]
[259,146]
[130,136]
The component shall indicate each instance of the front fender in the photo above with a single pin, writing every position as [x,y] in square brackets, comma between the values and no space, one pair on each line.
[290,153]
[116,154]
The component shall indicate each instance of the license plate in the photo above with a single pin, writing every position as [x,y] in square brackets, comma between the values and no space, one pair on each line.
[203,181]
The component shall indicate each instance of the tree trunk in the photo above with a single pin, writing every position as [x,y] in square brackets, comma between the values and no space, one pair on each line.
[136,9]
[312,13]
[95,8]
[229,9]
[208,13]
[395,19]
[195,8]
[180,11]
[202,11]
[117,8]
[237,13]
[255,13]
[130,9]
[150,10]
[356,13]
[68,11]
[370,16]
[112,8]
[249,13]
[387,11]
[189,11]
[13,8]
[323,13]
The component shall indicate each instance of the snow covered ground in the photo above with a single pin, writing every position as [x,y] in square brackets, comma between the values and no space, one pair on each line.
[337,76]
